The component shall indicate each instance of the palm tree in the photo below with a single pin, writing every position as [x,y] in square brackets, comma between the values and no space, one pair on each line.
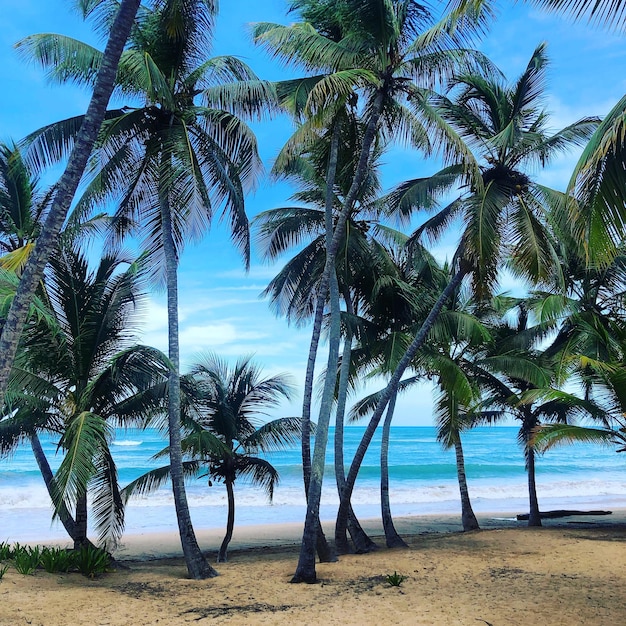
[294,290]
[389,58]
[459,338]
[85,139]
[224,420]
[80,377]
[524,381]
[508,128]
[167,164]
[590,340]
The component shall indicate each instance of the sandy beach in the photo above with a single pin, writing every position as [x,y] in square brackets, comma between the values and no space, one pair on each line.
[572,571]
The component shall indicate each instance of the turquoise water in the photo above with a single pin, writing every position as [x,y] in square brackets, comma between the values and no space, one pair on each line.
[422,481]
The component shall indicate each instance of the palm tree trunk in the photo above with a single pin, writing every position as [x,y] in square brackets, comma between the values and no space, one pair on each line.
[391,387]
[197,565]
[534,516]
[321,433]
[80,526]
[305,571]
[392,538]
[66,188]
[48,478]
[230,522]
[468,519]
[323,549]
[362,543]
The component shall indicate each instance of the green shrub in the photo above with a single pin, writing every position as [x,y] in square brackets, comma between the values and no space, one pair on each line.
[3,570]
[91,561]
[6,551]
[395,579]
[26,559]
[57,560]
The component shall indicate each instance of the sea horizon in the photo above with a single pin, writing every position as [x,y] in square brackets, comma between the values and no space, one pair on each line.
[422,482]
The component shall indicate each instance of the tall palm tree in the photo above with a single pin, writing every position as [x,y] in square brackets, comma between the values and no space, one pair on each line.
[394,65]
[224,421]
[169,163]
[80,377]
[85,139]
[507,127]
[294,290]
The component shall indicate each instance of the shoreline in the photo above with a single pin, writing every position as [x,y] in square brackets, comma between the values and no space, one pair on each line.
[155,545]
[150,546]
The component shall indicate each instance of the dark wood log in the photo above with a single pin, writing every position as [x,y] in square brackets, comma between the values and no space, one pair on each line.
[562,513]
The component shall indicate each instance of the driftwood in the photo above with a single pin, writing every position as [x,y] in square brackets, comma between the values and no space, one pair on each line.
[563,513]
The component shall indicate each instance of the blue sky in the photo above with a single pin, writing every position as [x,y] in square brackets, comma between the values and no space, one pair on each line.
[220,308]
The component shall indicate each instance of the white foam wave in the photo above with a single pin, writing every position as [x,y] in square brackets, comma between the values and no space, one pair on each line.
[127,442]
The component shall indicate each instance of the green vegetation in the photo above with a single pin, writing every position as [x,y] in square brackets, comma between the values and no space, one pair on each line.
[88,560]
[362,268]
[395,579]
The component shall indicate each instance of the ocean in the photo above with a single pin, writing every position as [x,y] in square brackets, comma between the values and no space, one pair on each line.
[422,482]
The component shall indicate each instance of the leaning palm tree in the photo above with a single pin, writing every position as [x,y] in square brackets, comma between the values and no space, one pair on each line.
[506,126]
[166,165]
[80,377]
[85,139]
[224,421]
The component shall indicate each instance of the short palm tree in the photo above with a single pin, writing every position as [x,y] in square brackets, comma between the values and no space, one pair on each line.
[523,381]
[226,430]
[78,378]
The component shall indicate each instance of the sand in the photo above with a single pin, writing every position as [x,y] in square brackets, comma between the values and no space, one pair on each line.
[572,571]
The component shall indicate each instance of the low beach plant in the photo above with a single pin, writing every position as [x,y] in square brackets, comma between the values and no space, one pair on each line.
[6,551]
[395,579]
[26,559]
[91,561]
[57,559]
[3,570]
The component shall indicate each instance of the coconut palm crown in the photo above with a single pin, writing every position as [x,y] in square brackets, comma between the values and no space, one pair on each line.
[226,427]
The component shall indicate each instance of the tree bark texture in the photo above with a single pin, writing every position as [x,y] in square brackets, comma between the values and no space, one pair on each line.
[230,522]
[468,519]
[362,543]
[80,525]
[48,478]
[197,566]
[309,540]
[392,538]
[66,188]
[534,517]
[305,571]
